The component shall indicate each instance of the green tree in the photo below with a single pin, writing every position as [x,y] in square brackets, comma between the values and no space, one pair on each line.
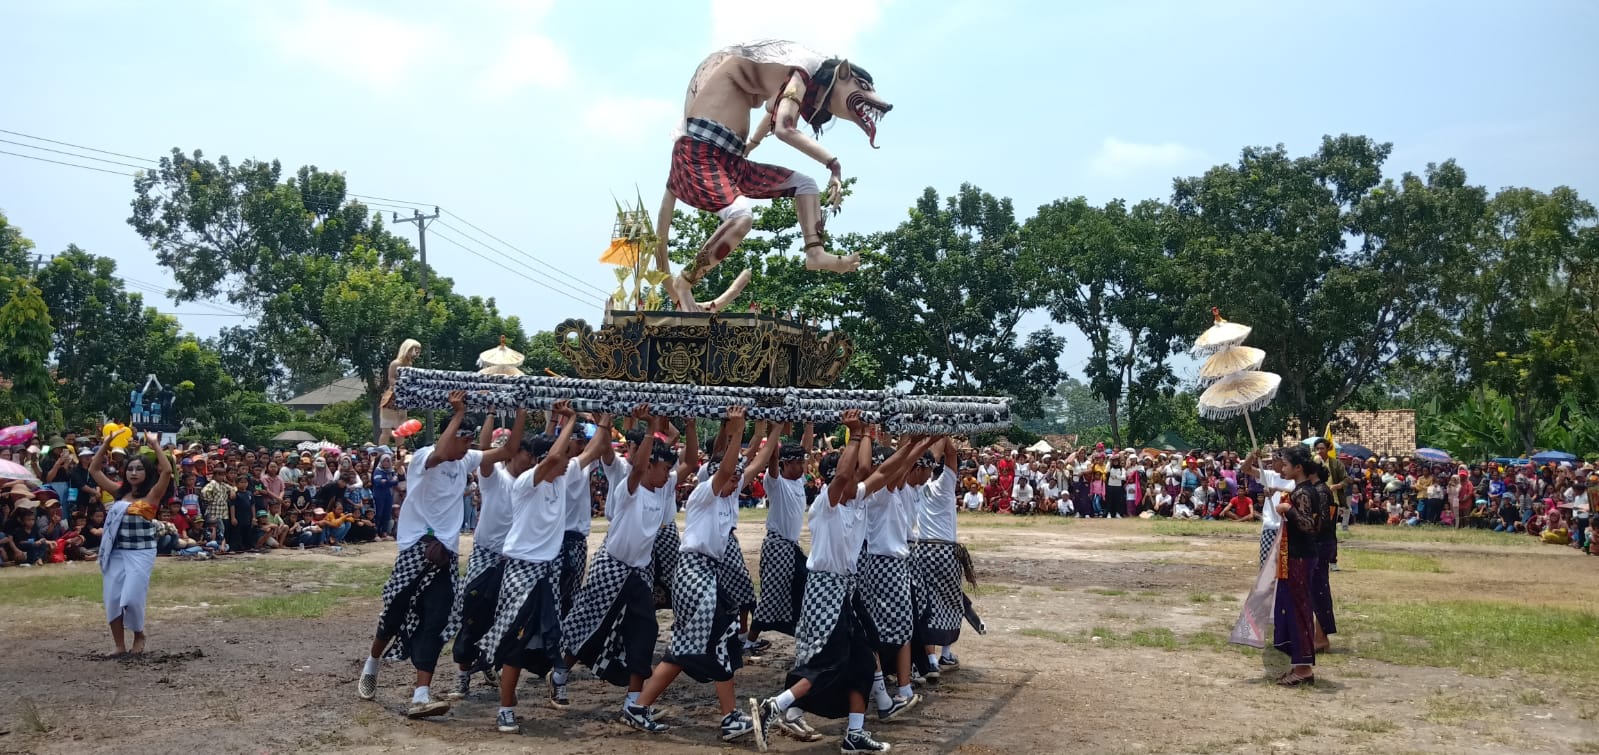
[352,417]
[1108,272]
[1528,329]
[1073,409]
[16,251]
[25,335]
[1338,271]
[939,307]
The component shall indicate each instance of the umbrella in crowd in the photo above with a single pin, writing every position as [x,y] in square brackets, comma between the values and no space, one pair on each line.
[294,436]
[1434,455]
[1356,450]
[18,435]
[11,471]
[1552,457]
[1239,387]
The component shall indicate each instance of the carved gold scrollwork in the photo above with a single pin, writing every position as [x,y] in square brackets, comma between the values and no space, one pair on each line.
[720,350]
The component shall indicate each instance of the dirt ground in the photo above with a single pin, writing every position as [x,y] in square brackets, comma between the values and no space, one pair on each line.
[1104,637]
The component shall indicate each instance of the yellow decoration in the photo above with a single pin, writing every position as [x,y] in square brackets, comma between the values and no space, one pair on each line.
[623,252]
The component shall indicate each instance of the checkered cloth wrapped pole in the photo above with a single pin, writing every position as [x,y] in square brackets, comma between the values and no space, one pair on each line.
[899,413]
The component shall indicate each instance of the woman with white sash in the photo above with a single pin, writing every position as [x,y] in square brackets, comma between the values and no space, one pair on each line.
[127,548]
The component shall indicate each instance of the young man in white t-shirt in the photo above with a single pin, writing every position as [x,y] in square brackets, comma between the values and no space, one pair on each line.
[420,593]
[782,560]
[704,638]
[527,624]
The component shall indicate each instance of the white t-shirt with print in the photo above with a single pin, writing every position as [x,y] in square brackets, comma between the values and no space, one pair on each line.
[537,509]
[433,500]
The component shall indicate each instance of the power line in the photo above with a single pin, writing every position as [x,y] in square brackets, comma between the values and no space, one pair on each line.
[74,146]
[72,154]
[201,314]
[542,263]
[536,281]
[70,165]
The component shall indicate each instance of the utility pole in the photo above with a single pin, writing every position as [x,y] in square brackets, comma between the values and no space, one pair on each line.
[421,222]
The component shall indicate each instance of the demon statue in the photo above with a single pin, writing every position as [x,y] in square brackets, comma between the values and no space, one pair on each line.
[710,166]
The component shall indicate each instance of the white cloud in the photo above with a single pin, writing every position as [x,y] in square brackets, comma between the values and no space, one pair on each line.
[529,59]
[368,47]
[830,27]
[1117,158]
[630,120]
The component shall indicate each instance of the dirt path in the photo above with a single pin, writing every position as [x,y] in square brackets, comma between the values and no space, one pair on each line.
[1077,659]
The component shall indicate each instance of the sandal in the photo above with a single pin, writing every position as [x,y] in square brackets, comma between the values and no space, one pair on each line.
[1291,679]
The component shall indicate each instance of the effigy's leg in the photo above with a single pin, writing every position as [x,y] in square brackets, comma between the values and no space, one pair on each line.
[737,219]
[817,257]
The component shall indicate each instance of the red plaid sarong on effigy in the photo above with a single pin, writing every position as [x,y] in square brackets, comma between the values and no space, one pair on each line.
[709,169]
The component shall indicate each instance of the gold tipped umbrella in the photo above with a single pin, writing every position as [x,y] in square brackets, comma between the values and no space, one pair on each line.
[1239,393]
[1220,335]
[1229,360]
[500,360]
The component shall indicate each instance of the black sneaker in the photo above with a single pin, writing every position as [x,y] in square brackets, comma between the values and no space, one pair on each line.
[491,676]
[463,685]
[736,725]
[558,699]
[861,740]
[898,705]
[757,647]
[931,677]
[639,718]
[507,724]
[367,688]
[949,663]
[765,715]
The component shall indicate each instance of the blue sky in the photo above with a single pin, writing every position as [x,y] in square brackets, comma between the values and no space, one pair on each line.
[524,117]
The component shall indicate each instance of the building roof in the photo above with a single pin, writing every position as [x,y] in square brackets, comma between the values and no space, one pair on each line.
[341,390]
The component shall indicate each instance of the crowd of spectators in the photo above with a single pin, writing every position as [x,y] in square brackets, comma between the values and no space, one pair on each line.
[225,499]
[1551,501]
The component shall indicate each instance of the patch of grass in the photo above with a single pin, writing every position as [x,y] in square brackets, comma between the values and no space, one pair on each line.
[1371,725]
[1134,545]
[1186,528]
[1106,591]
[992,588]
[307,605]
[1443,535]
[1479,637]
[43,588]
[1199,597]
[986,519]
[1585,747]
[1531,697]
[32,720]
[1359,558]
[1159,637]
[1046,634]
[1449,707]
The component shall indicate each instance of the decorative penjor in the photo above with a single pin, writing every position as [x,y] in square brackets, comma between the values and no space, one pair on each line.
[711,169]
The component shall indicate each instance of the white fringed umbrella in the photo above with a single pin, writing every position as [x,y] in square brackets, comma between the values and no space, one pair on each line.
[1237,387]
[500,360]
[1220,335]
[1228,361]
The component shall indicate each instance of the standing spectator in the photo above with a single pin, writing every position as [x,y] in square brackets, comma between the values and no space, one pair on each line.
[218,515]
[384,481]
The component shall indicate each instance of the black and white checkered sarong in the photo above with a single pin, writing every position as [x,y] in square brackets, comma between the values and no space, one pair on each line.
[782,585]
[516,588]
[409,581]
[939,607]
[1268,538]
[666,548]
[715,134]
[569,570]
[588,636]
[481,559]
[825,593]
[704,620]
[885,583]
[734,575]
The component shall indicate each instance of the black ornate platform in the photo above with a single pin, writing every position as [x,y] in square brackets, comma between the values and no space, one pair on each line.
[705,349]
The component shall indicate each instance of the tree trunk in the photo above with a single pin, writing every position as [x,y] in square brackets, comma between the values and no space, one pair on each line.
[1114,405]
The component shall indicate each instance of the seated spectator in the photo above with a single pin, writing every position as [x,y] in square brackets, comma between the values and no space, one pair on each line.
[32,550]
[1241,508]
[1164,501]
[335,525]
[1184,508]
[362,530]
[166,533]
[261,533]
[75,538]
[276,527]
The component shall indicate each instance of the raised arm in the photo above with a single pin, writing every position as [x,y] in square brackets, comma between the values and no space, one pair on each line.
[100,479]
[898,465]
[506,451]
[554,463]
[767,455]
[732,428]
[641,452]
[690,460]
[165,464]
[599,446]
[485,438]
[457,402]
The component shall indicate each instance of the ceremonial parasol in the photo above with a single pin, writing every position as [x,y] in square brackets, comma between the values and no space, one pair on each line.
[500,360]
[14,472]
[1237,391]
[18,435]
[1230,360]
[1546,457]
[1434,455]
[1220,335]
